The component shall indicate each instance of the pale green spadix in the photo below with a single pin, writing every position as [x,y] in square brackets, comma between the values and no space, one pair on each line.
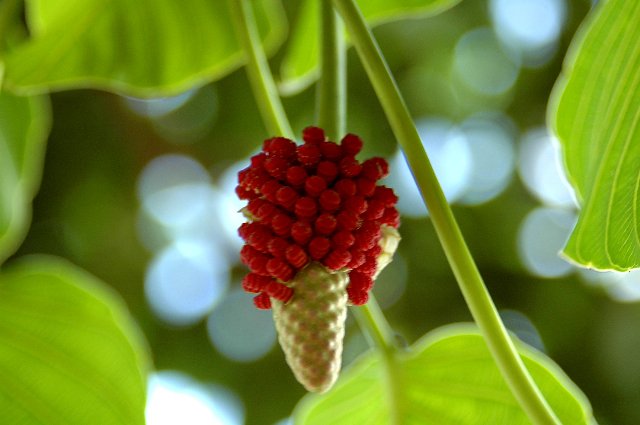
[311,325]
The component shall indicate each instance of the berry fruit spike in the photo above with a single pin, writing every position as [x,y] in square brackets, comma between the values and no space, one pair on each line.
[320,230]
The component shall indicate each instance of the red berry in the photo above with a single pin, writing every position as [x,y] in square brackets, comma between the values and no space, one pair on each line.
[277,247]
[356,204]
[245,194]
[375,168]
[391,217]
[266,212]
[359,281]
[255,283]
[286,197]
[325,224]
[346,188]
[257,161]
[357,297]
[280,147]
[330,150]
[258,264]
[351,144]
[327,170]
[279,291]
[262,301]
[308,155]
[318,247]
[296,256]
[281,224]
[365,186]
[357,259]
[305,207]
[329,200]
[313,135]
[276,167]
[347,220]
[246,229]
[301,232]
[386,196]
[350,167]
[269,189]
[278,268]
[337,259]
[375,210]
[369,267]
[343,239]
[259,238]
[315,185]
[247,253]
[296,175]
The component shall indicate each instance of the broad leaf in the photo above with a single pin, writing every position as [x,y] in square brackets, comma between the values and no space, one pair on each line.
[596,114]
[69,352]
[447,378]
[142,48]
[300,65]
[24,126]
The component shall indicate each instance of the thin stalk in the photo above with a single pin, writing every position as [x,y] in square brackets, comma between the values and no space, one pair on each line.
[331,92]
[260,77]
[475,292]
[331,117]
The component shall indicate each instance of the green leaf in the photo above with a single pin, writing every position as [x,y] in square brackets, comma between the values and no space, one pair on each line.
[141,48]
[69,351]
[448,378]
[300,65]
[595,112]
[24,127]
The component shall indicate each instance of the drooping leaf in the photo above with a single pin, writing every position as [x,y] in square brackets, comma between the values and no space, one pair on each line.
[447,378]
[595,112]
[300,65]
[69,352]
[24,127]
[141,48]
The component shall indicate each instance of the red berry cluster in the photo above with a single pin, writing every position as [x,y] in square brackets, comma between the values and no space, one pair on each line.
[312,202]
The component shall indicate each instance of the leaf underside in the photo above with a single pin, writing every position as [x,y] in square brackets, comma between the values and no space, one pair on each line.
[69,353]
[449,378]
[595,112]
[139,48]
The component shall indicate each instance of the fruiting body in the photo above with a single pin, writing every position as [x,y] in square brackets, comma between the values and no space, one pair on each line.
[320,231]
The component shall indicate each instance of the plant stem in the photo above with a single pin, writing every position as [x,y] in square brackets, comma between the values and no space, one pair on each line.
[475,293]
[331,92]
[264,88]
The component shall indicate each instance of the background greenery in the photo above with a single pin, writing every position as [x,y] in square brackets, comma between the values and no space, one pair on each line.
[88,207]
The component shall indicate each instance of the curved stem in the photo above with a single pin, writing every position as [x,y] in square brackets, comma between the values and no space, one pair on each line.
[475,293]
[264,88]
[332,85]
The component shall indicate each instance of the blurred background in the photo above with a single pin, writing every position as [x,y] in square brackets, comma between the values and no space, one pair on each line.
[140,193]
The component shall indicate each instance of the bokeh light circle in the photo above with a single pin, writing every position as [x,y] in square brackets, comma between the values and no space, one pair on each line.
[542,235]
[239,330]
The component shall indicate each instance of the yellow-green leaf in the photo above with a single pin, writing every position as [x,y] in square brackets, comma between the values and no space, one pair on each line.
[141,48]
[447,378]
[69,351]
[24,127]
[595,113]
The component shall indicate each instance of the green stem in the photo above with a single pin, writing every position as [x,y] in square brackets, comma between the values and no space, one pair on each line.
[475,293]
[264,88]
[332,85]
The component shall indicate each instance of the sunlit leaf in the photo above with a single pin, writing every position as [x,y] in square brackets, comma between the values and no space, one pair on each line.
[447,378]
[140,48]
[69,352]
[596,115]
[300,65]
[24,126]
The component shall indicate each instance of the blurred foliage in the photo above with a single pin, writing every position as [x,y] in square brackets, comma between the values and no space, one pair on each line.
[87,210]
[596,118]
[73,365]
[448,376]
